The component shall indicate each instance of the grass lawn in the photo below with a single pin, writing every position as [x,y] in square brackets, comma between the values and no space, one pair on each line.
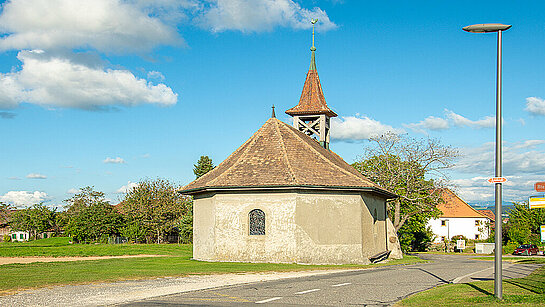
[527,291]
[177,262]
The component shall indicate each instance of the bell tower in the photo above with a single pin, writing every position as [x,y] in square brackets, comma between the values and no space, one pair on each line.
[312,115]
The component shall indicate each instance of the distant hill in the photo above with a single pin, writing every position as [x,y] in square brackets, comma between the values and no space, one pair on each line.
[484,205]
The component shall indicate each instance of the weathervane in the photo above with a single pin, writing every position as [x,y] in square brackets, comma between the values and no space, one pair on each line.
[313,22]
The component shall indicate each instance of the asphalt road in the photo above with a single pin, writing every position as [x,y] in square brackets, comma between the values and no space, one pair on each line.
[375,287]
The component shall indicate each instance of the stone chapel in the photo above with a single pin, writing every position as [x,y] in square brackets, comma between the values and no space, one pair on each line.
[283,196]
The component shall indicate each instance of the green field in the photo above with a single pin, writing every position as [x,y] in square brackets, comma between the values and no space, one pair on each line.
[528,291]
[175,262]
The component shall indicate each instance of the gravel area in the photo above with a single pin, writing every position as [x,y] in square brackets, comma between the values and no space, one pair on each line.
[126,291]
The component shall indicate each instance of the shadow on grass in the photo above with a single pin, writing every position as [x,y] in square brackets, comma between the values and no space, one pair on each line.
[480,289]
[519,284]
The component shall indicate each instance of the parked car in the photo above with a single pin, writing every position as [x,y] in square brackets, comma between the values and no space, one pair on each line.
[526,249]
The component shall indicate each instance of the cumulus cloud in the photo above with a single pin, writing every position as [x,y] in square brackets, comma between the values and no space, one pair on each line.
[55,81]
[517,188]
[260,15]
[126,188]
[520,158]
[105,25]
[116,160]
[461,121]
[36,176]
[451,119]
[24,198]
[352,128]
[72,191]
[430,123]
[535,105]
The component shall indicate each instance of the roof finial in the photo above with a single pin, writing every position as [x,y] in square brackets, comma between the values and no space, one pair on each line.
[312,59]
[273,114]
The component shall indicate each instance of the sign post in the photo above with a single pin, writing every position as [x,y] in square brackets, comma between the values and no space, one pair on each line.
[535,202]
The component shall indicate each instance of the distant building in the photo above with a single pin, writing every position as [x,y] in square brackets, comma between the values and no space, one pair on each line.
[20,236]
[458,218]
[285,197]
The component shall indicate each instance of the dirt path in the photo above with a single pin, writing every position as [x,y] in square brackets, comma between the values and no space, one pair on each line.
[10,260]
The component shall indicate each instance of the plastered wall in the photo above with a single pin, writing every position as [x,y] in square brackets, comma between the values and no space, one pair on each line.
[302,227]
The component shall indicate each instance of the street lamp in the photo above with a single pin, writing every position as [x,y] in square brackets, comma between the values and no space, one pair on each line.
[485,28]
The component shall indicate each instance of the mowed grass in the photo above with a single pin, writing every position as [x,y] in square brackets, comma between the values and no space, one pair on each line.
[176,262]
[527,291]
[60,247]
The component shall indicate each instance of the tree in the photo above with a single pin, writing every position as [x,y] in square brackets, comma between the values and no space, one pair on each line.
[90,217]
[411,168]
[153,209]
[36,219]
[5,212]
[203,166]
[524,224]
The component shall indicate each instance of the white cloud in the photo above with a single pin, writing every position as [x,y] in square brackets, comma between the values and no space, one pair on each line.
[260,15]
[24,198]
[126,188]
[535,105]
[116,160]
[156,75]
[36,176]
[459,120]
[451,119]
[358,128]
[105,25]
[79,82]
[72,191]
[517,188]
[430,123]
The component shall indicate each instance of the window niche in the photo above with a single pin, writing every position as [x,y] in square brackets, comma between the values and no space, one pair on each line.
[257,222]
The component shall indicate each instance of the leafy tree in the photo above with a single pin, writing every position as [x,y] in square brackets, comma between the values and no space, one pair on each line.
[36,219]
[203,166]
[153,209]
[5,212]
[411,168]
[90,217]
[524,224]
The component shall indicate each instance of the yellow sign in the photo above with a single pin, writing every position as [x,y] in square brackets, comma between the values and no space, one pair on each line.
[542,233]
[536,202]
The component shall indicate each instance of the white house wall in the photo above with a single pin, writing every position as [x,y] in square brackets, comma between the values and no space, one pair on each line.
[455,226]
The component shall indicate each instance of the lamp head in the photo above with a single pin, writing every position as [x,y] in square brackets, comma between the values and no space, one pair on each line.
[486,27]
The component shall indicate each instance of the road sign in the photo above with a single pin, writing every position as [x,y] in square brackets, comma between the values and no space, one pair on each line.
[497,180]
[536,202]
[539,186]
[542,233]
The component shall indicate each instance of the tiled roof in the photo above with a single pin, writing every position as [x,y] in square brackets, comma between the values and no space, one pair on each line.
[489,214]
[312,99]
[454,206]
[279,156]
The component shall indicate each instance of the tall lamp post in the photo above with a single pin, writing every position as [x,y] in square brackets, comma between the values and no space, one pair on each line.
[485,28]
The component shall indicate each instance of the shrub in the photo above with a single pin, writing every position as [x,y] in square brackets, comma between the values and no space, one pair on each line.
[510,247]
[6,238]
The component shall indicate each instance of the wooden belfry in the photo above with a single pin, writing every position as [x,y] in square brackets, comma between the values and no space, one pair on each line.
[312,115]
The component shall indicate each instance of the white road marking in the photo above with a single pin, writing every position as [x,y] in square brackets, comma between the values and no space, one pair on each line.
[307,291]
[269,300]
[339,285]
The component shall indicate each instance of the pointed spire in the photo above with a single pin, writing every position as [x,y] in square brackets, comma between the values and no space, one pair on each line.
[273,114]
[312,49]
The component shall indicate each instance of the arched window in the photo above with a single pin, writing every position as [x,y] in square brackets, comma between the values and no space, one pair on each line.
[257,222]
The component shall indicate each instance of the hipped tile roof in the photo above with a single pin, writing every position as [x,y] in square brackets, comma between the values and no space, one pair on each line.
[312,101]
[454,206]
[489,214]
[279,156]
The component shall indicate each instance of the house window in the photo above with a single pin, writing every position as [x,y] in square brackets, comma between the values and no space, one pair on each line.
[477,222]
[442,239]
[257,222]
[477,237]
[21,236]
[14,236]
[443,223]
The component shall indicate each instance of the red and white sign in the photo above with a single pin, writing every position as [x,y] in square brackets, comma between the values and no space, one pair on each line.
[497,180]
[539,186]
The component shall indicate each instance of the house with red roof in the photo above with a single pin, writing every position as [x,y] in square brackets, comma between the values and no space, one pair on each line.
[458,218]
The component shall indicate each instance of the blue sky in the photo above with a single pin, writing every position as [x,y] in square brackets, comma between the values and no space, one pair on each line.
[109,92]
